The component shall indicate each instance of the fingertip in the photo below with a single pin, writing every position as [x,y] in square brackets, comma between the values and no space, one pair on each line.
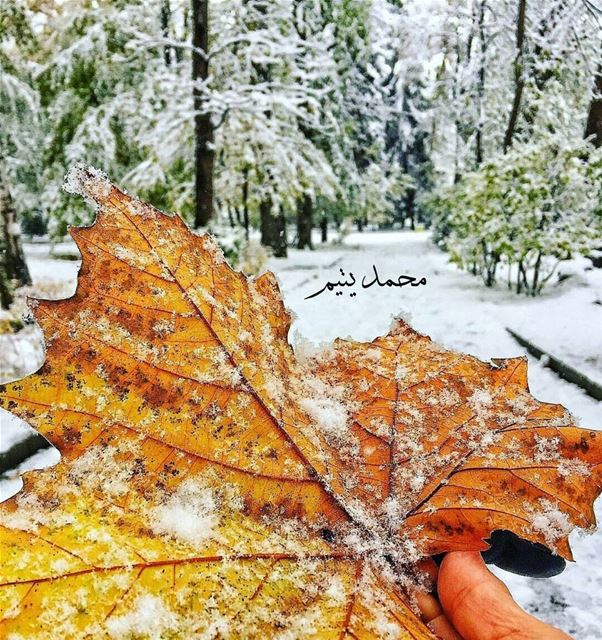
[477,603]
[462,570]
[429,606]
[481,607]
[458,561]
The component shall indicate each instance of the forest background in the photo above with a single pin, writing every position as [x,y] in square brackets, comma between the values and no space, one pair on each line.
[479,118]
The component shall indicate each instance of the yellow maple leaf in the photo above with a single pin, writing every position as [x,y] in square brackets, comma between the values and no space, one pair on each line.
[212,484]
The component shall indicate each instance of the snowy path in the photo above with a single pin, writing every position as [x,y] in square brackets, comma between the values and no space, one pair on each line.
[456,310]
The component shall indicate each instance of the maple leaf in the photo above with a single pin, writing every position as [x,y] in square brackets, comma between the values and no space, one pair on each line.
[212,483]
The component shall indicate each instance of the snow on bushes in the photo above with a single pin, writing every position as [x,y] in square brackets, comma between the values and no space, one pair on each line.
[524,211]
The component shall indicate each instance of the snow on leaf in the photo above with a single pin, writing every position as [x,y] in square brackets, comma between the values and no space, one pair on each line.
[469,450]
[212,484]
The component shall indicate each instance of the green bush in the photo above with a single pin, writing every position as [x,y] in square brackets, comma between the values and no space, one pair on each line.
[527,210]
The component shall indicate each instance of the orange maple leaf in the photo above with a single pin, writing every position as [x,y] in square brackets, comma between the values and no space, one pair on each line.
[212,483]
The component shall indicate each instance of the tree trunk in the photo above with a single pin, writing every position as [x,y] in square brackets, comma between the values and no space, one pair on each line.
[411,208]
[6,295]
[480,19]
[593,127]
[245,203]
[13,268]
[273,228]
[305,213]
[519,77]
[324,228]
[165,18]
[203,131]
[305,205]
[462,131]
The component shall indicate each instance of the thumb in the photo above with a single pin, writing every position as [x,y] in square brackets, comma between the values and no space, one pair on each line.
[480,606]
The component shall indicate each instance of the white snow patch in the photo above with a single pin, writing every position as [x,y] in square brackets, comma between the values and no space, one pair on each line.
[480,399]
[87,181]
[307,350]
[149,617]
[546,449]
[576,467]
[336,589]
[211,246]
[99,468]
[329,414]
[551,522]
[190,514]
[417,482]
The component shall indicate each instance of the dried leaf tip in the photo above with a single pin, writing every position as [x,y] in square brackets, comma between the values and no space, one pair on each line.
[88,182]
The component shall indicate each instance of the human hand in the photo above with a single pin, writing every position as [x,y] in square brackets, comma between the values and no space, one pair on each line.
[473,604]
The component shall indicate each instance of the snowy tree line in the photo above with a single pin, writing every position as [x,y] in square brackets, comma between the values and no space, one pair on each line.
[480,117]
[523,143]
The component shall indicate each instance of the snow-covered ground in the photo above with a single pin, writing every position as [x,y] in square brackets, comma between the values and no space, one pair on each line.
[455,309]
